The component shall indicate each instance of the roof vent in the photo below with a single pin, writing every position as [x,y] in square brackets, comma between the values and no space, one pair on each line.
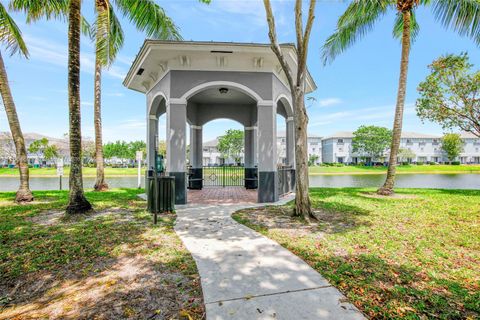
[140,71]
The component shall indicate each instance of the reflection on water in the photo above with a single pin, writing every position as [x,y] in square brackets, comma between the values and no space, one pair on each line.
[52,183]
[442,181]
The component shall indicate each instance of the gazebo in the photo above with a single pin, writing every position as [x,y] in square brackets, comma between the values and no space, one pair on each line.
[197,82]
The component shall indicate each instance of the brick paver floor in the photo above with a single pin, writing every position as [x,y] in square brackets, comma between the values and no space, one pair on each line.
[222,195]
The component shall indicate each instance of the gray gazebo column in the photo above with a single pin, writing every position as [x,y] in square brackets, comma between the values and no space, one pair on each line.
[152,140]
[196,160]
[176,148]
[267,153]
[250,160]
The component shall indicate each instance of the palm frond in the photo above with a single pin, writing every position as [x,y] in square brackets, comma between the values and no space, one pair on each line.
[87,29]
[149,17]
[37,9]
[10,34]
[462,16]
[101,30]
[398,26]
[109,36]
[356,21]
[116,37]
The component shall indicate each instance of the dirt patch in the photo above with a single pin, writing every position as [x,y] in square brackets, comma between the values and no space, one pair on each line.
[280,217]
[53,217]
[375,195]
[145,272]
[130,288]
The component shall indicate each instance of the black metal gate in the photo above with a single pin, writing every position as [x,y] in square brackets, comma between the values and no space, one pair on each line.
[223,176]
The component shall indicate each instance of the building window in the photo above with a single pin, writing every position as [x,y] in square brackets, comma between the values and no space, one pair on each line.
[340,141]
[409,141]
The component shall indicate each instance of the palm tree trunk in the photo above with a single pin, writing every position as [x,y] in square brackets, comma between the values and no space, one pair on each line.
[23,194]
[100,184]
[77,201]
[302,198]
[388,186]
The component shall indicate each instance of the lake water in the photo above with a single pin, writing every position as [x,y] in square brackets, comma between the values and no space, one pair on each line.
[443,181]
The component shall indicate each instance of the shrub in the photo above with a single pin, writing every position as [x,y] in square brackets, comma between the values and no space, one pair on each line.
[420,163]
[455,163]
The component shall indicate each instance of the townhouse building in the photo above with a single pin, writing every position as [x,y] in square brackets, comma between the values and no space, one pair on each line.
[337,148]
[212,157]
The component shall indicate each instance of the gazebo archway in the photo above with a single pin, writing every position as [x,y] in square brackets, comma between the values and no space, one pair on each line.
[197,82]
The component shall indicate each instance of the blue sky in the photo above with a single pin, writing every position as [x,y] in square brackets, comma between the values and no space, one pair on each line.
[359,87]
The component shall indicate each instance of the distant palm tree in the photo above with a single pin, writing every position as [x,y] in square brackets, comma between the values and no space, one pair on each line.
[11,37]
[147,16]
[462,16]
[77,203]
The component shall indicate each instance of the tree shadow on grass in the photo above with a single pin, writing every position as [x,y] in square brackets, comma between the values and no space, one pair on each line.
[333,217]
[386,290]
[381,288]
[103,266]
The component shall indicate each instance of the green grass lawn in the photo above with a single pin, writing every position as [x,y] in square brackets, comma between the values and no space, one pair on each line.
[111,264]
[415,257]
[44,172]
[86,171]
[439,168]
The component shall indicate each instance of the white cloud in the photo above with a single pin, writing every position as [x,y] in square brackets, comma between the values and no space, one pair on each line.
[87,103]
[382,113]
[115,94]
[57,54]
[328,102]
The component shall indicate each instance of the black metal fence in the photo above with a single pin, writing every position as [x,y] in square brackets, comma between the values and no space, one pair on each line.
[223,176]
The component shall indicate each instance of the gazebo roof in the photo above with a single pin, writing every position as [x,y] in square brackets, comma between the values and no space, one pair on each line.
[157,57]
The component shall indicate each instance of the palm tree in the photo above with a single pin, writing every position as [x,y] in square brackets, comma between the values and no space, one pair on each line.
[462,16]
[77,203]
[147,16]
[11,36]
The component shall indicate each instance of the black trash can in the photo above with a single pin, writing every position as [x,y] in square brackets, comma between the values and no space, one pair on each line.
[166,194]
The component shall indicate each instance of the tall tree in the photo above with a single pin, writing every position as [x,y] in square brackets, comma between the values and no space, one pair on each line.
[77,202]
[462,16]
[449,95]
[452,145]
[148,17]
[296,83]
[230,144]
[11,37]
[371,141]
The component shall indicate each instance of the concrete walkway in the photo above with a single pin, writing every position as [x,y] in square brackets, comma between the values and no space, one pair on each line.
[246,276]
